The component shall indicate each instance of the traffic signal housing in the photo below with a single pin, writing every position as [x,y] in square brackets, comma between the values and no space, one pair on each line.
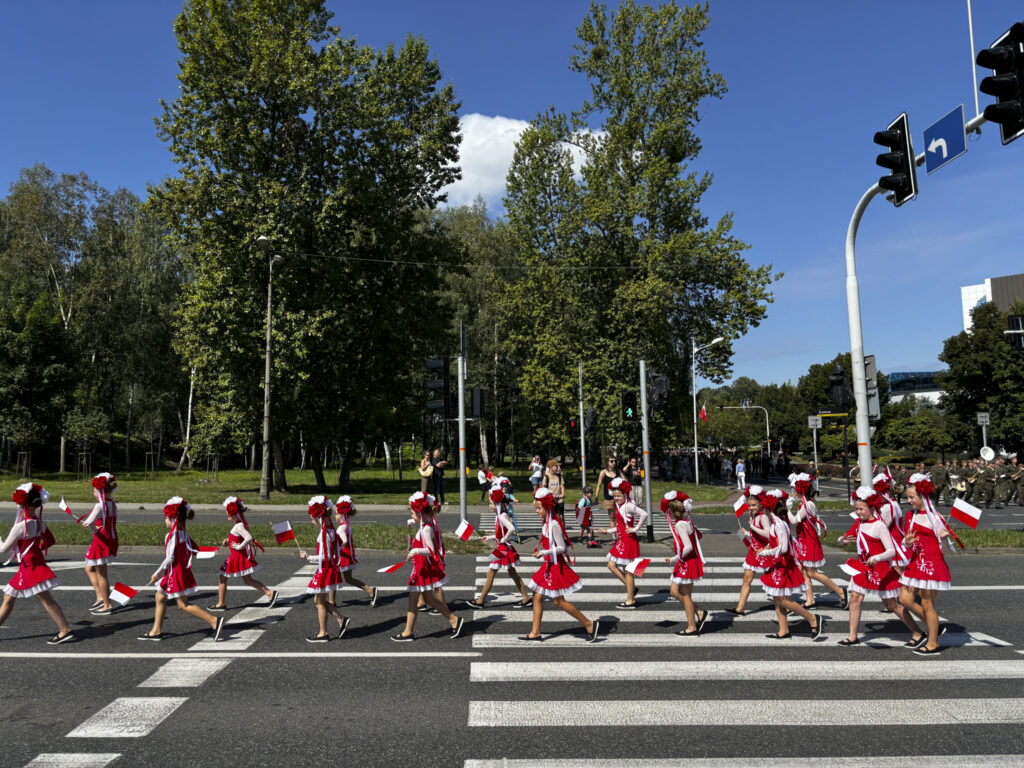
[1006,60]
[573,429]
[660,388]
[629,409]
[902,181]
[439,386]
[479,402]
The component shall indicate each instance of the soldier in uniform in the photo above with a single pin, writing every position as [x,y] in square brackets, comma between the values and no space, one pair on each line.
[986,484]
[954,477]
[1004,488]
[971,473]
[899,482]
[938,475]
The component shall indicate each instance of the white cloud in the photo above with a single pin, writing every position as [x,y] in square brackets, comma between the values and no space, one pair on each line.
[488,144]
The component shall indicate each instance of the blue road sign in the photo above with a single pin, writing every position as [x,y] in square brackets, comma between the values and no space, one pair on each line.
[945,140]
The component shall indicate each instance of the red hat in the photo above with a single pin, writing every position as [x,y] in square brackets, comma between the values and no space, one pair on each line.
[922,484]
[26,492]
[497,495]
[104,481]
[233,505]
[869,496]
[620,484]
[319,506]
[545,497]
[343,504]
[419,502]
[176,507]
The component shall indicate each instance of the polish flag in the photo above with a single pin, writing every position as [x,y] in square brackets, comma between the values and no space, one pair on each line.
[392,568]
[638,566]
[205,553]
[283,532]
[852,567]
[64,506]
[704,411]
[121,593]
[464,531]
[740,506]
[966,513]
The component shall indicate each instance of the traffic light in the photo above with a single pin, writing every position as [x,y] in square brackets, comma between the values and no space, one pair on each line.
[438,385]
[660,388]
[590,419]
[573,428]
[1006,60]
[479,397]
[902,182]
[629,409]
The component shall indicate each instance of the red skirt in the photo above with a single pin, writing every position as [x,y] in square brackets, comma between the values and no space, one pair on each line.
[178,582]
[347,561]
[881,581]
[625,550]
[327,579]
[239,564]
[688,571]
[33,577]
[503,557]
[927,570]
[783,578]
[427,574]
[808,550]
[754,563]
[102,549]
[555,580]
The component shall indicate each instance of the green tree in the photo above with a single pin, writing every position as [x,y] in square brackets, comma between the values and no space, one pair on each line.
[286,129]
[617,261]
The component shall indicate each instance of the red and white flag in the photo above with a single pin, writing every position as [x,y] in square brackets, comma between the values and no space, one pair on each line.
[966,513]
[638,566]
[64,506]
[852,567]
[464,531]
[283,532]
[122,593]
[205,553]
[392,568]
[704,411]
[741,506]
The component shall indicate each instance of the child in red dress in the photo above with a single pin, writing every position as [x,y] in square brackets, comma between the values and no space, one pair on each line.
[808,528]
[102,521]
[174,577]
[343,510]
[504,557]
[30,539]
[688,559]
[328,574]
[755,538]
[628,520]
[241,562]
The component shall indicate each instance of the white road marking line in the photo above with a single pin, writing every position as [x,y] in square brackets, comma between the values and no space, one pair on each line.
[243,655]
[256,614]
[939,669]
[646,598]
[604,559]
[79,565]
[230,640]
[529,564]
[723,640]
[825,712]
[611,581]
[642,616]
[184,673]
[128,717]
[73,760]
[896,761]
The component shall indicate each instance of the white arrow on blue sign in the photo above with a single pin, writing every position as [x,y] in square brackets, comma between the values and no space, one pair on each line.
[945,140]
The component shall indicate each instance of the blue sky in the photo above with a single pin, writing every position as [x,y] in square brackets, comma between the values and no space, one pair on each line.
[789,145]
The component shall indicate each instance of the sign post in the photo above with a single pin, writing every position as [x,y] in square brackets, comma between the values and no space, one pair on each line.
[945,140]
[983,422]
[814,422]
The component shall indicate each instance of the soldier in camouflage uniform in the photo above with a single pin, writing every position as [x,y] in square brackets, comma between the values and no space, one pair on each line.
[938,475]
[986,484]
[1017,480]
[971,475]
[1004,488]
[899,482]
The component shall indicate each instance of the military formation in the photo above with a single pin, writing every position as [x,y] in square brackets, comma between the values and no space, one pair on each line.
[976,481]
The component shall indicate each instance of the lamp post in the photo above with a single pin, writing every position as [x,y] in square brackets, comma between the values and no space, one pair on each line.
[264,245]
[767,428]
[693,364]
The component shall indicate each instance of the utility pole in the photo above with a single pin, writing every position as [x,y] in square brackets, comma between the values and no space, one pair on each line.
[583,437]
[646,443]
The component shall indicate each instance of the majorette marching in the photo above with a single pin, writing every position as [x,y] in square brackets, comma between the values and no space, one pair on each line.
[904,567]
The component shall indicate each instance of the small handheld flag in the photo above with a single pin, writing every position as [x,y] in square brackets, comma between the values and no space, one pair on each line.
[392,568]
[966,513]
[64,506]
[464,531]
[283,532]
[638,566]
[741,506]
[122,593]
[205,553]
[852,567]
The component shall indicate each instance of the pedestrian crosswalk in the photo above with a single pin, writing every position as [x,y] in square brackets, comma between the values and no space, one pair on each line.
[528,524]
[876,685]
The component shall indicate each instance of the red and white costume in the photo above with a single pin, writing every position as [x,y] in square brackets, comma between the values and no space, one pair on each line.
[174,576]
[347,552]
[427,549]
[808,527]
[29,538]
[242,555]
[927,568]
[689,559]
[876,548]
[328,549]
[760,527]
[782,578]
[504,554]
[628,519]
[103,522]
[555,578]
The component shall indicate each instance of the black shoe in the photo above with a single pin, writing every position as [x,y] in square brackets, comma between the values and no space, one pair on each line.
[273,599]
[155,638]
[688,633]
[318,639]
[217,608]
[58,639]
[344,627]
[912,643]
[528,639]
[593,631]
[373,598]
[845,602]
[433,612]
[423,608]
[626,606]
[95,605]
[475,604]
[923,651]
[846,641]
[457,629]
[734,612]
[400,638]
[217,630]
[701,621]
[777,636]
[524,604]
[818,628]
[104,611]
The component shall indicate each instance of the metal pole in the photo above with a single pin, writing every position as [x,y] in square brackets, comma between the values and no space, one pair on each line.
[583,437]
[984,435]
[265,474]
[974,69]
[815,438]
[462,438]
[846,455]
[646,443]
[693,363]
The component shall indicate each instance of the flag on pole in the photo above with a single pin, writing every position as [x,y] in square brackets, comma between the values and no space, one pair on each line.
[464,531]
[852,567]
[205,553]
[966,513]
[122,593]
[638,566]
[64,506]
[283,532]
[704,411]
[740,506]
[392,568]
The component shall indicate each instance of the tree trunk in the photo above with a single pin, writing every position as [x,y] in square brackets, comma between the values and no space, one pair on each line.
[128,430]
[318,470]
[188,422]
[387,458]
[345,468]
[484,457]
[63,453]
[280,482]
[401,453]
[302,452]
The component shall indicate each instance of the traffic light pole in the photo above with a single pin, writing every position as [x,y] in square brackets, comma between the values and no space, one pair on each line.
[646,443]
[462,438]
[583,438]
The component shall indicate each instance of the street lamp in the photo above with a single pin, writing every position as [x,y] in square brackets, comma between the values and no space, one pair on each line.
[264,245]
[693,363]
[767,428]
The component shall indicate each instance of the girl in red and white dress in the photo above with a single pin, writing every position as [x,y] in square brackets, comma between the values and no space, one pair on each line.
[504,557]
[174,577]
[428,576]
[877,550]
[927,574]
[782,578]
[30,538]
[628,520]
[806,542]
[688,560]
[556,578]
[891,514]
[343,510]
[102,521]
[755,538]
[241,562]
[328,574]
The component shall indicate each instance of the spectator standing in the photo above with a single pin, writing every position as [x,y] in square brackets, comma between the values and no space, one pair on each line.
[536,474]
[604,492]
[741,474]
[481,477]
[554,482]
[635,478]
[438,463]
[426,469]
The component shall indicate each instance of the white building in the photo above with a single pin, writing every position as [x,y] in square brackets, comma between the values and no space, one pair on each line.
[1004,291]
